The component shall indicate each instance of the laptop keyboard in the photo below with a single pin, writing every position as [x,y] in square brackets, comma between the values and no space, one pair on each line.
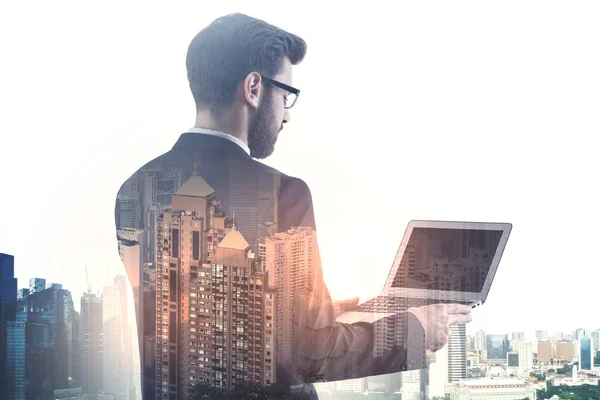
[398,304]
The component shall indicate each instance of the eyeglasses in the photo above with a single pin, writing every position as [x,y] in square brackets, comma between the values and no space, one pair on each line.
[291,98]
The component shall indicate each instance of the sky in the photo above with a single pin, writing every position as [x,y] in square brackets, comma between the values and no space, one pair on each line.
[464,111]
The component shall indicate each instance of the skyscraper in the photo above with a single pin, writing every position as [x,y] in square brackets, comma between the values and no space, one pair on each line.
[497,347]
[215,319]
[544,352]
[457,353]
[140,201]
[15,380]
[470,343]
[512,359]
[595,334]
[517,337]
[143,284]
[116,359]
[36,285]
[541,335]
[438,373]
[76,350]
[586,353]
[8,297]
[92,326]
[479,340]
[22,293]
[243,200]
[291,262]
[525,356]
[414,384]
[40,351]
[49,315]
[564,351]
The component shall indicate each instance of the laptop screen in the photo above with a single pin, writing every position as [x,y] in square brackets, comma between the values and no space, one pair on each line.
[447,259]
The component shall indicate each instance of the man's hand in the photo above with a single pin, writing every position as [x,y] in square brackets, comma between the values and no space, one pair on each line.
[341,306]
[436,320]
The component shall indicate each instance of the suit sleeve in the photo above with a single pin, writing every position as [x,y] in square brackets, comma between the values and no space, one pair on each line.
[324,349]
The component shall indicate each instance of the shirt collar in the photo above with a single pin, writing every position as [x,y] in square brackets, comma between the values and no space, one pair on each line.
[223,135]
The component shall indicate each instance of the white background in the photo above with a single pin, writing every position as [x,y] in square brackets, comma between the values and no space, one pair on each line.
[465,110]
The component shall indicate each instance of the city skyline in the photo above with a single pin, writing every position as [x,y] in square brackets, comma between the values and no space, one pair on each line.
[471,327]
[49,349]
[559,347]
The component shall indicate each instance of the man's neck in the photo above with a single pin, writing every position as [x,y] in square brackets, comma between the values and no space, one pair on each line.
[227,123]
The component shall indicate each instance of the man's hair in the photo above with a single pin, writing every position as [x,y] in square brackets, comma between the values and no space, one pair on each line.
[221,55]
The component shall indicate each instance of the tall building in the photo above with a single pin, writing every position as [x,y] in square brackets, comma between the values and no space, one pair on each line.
[158,185]
[512,359]
[8,297]
[541,336]
[480,340]
[483,355]
[470,343]
[46,334]
[129,205]
[36,285]
[525,355]
[497,347]
[40,351]
[414,384]
[438,373]
[76,350]
[116,357]
[243,199]
[215,318]
[586,353]
[514,345]
[143,284]
[517,337]
[595,334]
[292,260]
[457,353]
[564,351]
[544,353]
[15,376]
[92,345]
[140,201]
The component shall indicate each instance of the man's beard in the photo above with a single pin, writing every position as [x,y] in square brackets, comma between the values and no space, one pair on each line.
[263,132]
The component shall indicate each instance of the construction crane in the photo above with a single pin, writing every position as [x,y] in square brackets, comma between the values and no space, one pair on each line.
[89,287]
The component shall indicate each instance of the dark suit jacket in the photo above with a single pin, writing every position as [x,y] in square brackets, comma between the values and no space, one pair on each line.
[264,202]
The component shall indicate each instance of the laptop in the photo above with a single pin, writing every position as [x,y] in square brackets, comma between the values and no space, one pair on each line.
[438,262]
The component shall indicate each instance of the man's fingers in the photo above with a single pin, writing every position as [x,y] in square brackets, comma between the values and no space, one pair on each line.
[458,309]
[346,304]
[454,319]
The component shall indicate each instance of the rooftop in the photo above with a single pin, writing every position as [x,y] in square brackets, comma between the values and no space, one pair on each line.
[234,240]
[195,186]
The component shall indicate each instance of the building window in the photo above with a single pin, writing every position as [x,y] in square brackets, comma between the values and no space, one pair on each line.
[175,243]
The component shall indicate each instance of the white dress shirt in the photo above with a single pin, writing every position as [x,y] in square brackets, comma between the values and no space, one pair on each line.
[223,135]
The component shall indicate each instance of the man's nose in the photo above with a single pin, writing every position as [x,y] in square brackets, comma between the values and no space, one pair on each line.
[286,116]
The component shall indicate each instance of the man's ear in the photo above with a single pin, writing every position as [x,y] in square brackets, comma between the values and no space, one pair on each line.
[252,87]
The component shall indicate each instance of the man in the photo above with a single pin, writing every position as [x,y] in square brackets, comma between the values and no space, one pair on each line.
[238,295]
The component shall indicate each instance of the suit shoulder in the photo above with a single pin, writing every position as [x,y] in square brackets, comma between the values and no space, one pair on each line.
[295,204]
[295,187]
[154,163]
